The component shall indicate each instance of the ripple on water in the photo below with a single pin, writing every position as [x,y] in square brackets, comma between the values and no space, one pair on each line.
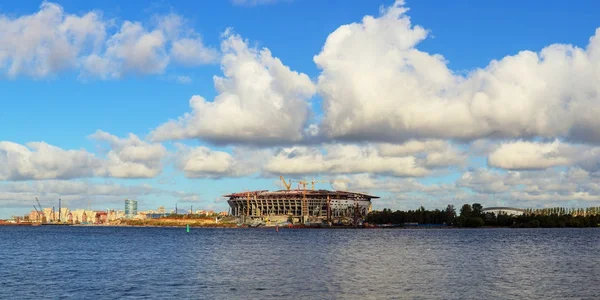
[109,263]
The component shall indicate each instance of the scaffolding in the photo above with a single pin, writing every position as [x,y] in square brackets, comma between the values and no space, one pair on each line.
[302,205]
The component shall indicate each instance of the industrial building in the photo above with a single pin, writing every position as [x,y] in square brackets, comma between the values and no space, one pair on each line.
[300,206]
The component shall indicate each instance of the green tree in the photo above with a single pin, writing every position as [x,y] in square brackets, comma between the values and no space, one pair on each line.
[450,214]
[466,211]
[477,210]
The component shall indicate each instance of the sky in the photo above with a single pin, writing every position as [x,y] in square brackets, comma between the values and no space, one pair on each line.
[423,103]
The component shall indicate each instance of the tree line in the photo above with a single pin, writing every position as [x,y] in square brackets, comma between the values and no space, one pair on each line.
[474,216]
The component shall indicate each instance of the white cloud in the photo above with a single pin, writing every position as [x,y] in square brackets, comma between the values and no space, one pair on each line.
[574,187]
[528,155]
[184,79]
[260,101]
[125,158]
[376,85]
[81,193]
[38,160]
[66,188]
[140,50]
[446,158]
[412,147]
[342,159]
[132,49]
[437,153]
[370,182]
[203,162]
[542,187]
[487,182]
[192,52]
[49,41]
[523,155]
[131,157]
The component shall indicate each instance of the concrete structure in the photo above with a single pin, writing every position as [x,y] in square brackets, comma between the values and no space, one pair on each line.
[131,207]
[83,216]
[300,206]
[511,211]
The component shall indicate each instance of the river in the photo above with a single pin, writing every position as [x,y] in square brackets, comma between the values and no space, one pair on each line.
[168,263]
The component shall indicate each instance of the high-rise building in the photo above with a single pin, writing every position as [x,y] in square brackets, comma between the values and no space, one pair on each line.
[130,208]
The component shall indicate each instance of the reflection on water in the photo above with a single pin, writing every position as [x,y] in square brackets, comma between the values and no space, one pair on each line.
[115,263]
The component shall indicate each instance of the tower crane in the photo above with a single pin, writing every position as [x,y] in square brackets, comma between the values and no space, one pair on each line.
[37,213]
[286,184]
[41,209]
[304,183]
[304,202]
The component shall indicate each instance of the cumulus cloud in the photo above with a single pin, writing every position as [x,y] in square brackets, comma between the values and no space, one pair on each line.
[203,162]
[131,157]
[395,185]
[376,85]
[550,185]
[192,52]
[39,160]
[353,159]
[67,188]
[530,155]
[137,49]
[260,101]
[412,147]
[131,50]
[125,158]
[488,182]
[524,155]
[49,41]
[79,193]
[436,153]
[574,186]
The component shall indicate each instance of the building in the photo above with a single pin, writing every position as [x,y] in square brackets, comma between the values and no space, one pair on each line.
[131,208]
[153,215]
[300,206]
[510,211]
[101,217]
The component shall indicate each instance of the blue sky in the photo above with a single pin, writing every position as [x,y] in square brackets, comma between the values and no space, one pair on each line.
[64,106]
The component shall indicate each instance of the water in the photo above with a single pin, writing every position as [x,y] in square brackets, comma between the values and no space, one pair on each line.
[168,263]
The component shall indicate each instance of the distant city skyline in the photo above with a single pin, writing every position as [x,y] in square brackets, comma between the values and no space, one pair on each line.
[422,103]
[98,216]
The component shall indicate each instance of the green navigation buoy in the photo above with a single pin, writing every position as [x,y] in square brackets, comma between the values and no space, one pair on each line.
[187,228]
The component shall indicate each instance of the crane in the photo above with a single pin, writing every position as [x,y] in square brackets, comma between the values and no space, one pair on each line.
[286,184]
[41,209]
[304,202]
[304,183]
[37,212]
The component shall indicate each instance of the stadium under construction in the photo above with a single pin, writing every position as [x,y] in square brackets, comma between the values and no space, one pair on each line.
[300,206]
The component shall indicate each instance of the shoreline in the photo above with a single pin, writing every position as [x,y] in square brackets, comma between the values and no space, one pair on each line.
[235,226]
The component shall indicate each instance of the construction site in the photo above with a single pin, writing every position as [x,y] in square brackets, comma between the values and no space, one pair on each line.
[302,205]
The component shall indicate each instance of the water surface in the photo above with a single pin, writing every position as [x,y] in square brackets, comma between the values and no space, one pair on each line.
[159,263]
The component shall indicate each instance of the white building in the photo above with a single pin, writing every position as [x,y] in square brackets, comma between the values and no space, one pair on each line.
[511,211]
